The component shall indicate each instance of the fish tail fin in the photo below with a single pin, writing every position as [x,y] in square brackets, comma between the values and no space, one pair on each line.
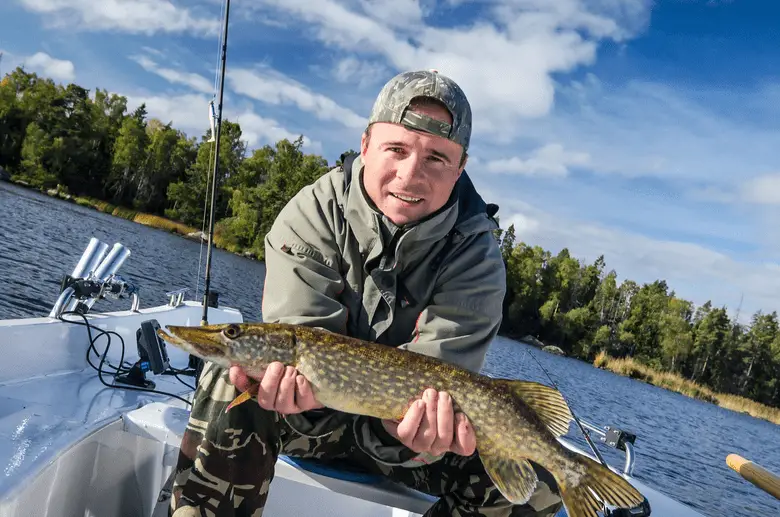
[597,486]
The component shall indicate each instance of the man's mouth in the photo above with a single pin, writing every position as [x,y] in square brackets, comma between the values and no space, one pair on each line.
[408,199]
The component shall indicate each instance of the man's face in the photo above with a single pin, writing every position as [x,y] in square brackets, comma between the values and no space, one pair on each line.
[410,174]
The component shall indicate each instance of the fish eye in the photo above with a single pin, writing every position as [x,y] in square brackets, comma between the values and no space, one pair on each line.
[232,331]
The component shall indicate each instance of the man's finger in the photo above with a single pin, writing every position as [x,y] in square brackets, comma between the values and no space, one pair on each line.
[408,427]
[285,397]
[239,378]
[426,434]
[445,425]
[465,442]
[269,386]
[304,397]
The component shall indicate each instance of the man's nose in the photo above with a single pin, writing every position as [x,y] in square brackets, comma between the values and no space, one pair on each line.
[410,168]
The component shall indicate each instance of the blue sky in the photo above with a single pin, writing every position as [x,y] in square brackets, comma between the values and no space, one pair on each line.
[642,130]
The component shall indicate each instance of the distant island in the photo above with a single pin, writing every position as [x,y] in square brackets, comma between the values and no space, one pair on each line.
[91,150]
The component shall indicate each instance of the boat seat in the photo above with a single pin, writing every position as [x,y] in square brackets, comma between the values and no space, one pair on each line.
[166,424]
[345,472]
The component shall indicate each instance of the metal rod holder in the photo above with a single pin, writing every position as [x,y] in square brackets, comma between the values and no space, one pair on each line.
[90,258]
[96,269]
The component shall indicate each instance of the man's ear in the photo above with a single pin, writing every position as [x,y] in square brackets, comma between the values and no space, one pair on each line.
[463,164]
[364,139]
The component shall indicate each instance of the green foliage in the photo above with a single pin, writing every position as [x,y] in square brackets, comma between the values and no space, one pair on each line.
[269,179]
[588,313]
[189,194]
[54,135]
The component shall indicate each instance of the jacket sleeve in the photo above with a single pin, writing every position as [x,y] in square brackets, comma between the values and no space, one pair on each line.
[303,281]
[458,325]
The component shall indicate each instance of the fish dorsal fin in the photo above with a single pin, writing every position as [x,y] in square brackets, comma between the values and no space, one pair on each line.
[515,479]
[547,403]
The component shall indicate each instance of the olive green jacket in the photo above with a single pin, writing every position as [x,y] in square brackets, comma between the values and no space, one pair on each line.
[334,261]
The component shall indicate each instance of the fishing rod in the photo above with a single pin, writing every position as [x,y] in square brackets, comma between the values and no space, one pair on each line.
[579,424]
[207,286]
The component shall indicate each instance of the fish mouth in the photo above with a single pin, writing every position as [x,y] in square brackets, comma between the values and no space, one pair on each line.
[205,342]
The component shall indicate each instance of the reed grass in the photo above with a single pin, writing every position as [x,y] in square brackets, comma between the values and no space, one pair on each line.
[162,223]
[222,239]
[675,382]
[124,213]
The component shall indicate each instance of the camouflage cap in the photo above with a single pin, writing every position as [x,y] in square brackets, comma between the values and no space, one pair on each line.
[394,98]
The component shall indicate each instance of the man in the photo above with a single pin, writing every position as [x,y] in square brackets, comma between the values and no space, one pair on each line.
[394,247]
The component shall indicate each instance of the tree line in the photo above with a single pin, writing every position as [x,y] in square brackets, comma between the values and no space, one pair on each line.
[58,136]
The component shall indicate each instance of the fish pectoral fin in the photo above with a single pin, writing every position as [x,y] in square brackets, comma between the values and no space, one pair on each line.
[547,403]
[515,479]
[243,397]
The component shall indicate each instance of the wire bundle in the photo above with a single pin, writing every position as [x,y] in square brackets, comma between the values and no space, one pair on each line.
[124,367]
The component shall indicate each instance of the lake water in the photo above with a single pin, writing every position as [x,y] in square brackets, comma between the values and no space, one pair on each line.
[681,443]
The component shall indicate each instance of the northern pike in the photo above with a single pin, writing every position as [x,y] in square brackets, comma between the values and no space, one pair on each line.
[516,422]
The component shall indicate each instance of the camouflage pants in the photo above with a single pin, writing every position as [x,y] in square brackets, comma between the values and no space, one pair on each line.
[227,460]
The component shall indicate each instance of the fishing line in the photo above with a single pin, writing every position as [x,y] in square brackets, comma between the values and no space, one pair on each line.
[211,158]
[582,429]
[122,368]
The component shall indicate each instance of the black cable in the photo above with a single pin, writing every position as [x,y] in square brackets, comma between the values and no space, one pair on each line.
[121,369]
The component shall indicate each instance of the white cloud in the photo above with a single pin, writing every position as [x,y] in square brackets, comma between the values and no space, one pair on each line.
[133,16]
[189,113]
[44,64]
[258,130]
[272,87]
[763,190]
[646,129]
[194,81]
[351,70]
[550,160]
[694,272]
[506,58]
[531,38]
[394,12]
[757,190]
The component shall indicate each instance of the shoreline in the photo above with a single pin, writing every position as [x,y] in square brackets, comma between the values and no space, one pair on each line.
[623,367]
[629,367]
[151,220]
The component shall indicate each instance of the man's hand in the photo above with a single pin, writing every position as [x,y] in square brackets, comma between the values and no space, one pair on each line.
[281,389]
[430,425]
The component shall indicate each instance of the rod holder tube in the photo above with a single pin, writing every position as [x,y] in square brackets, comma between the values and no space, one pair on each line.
[96,260]
[94,250]
[113,261]
[60,303]
[628,468]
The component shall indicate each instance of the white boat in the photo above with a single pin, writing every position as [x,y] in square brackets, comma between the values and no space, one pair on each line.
[73,445]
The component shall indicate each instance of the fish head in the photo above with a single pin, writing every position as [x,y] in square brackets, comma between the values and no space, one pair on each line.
[249,345]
